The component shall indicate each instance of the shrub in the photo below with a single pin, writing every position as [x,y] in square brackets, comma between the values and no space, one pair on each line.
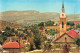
[70,23]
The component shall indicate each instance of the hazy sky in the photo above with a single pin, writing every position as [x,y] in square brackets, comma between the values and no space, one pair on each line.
[71,6]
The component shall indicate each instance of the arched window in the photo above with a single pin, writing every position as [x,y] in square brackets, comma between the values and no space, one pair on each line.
[62,24]
[65,39]
[62,14]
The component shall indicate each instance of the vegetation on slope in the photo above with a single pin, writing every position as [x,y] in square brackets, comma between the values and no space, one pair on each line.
[33,17]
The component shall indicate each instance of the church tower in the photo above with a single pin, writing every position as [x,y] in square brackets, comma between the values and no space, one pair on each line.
[62,21]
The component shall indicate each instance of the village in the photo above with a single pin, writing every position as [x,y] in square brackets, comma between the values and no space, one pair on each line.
[46,37]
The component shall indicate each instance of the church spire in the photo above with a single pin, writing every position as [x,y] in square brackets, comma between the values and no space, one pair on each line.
[62,20]
[63,11]
[63,4]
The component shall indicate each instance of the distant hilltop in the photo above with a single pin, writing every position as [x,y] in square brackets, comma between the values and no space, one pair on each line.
[33,17]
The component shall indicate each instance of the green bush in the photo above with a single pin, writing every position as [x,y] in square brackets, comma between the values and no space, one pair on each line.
[78,26]
[77,40]
[70,23]
[49,23]
[41,24]
[51,32]
[69,28]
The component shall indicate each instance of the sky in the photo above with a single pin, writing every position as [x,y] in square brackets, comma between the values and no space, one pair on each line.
[71,6]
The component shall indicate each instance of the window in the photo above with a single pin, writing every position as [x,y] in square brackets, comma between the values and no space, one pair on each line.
[65,39]
[62,14]
[62,24]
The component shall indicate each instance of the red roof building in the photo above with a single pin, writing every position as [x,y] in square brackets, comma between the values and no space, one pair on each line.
[73,33]
[12,45]
[42,28]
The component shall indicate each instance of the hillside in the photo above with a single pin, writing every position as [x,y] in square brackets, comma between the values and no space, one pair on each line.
[32,17]
[4,24]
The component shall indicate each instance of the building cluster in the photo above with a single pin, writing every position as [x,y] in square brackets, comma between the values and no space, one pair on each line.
[62,37]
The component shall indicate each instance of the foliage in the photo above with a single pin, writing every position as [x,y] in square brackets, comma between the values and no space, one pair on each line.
[25,30]
[70,23]
[25,38]
[69,28]
[44,38]
[49,23]
[41,24]
[41,27]
[35,30]
[35,38]
[7,28]
[21,35]
[2,38]
[32,44]
[51,32]
[27,48]
[19,29]
[12,30]
[78,26]
[46,46]
[8,32]
[77,40]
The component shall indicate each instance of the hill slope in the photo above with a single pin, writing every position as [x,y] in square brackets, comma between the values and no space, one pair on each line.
[32,17]
[4,24]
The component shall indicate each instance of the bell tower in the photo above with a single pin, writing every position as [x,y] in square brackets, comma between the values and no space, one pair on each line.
[62,20]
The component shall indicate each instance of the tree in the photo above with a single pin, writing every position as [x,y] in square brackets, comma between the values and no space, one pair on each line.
[25,38]
[41,24]
[77,40]
[7,33]
[4,38]
[49,23]
[32,44]
[70,23]
[12,30]
[69,28]
[46,46]
[25,30]
[1,39]
[7,28]
[51,32]
[37,36]
[78,26]
[34,37]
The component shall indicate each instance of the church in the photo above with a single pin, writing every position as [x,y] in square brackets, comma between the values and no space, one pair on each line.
[65,36]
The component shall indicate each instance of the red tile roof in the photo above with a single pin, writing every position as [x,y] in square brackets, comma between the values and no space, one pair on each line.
[42,28]
[73,33]
[79,34]
[12,45]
